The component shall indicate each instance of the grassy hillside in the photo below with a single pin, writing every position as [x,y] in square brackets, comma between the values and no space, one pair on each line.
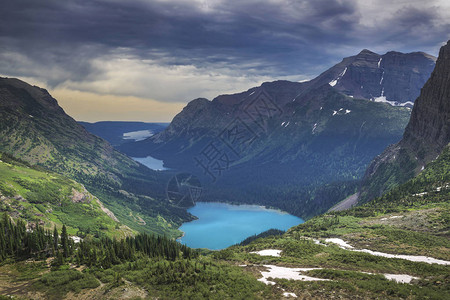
[35,129]
[412,219]
[44,198]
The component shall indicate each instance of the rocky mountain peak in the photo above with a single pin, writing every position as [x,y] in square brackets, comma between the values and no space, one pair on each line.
[34,98]
[394,78]
[366,55]
[366,51]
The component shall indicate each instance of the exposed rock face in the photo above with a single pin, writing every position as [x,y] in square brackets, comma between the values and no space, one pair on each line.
[427,133]
[78,196]
[429,125]
[396,76]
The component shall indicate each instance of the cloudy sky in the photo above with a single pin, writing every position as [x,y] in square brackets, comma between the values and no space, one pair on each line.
[145,59]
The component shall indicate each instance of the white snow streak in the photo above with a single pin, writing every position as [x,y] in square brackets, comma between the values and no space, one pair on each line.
[339,242]
[334,82]
[393,217]
[383,99]
[438,189]
[414,258]
[400,278]
[287,273]
[268,252]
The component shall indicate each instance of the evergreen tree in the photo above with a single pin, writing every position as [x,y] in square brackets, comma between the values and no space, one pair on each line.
[55,239]
[65,241]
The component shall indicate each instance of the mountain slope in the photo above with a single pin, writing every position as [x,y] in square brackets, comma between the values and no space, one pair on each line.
[34,128]
[43,198]
[355,249]
[296,146]
[427,133]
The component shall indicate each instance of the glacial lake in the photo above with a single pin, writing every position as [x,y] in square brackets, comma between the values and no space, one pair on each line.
[151,163]
[221,225]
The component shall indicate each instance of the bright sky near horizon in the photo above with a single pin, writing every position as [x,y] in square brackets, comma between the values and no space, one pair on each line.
[145,59]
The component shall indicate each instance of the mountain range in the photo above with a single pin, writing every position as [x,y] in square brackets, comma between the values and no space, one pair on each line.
[395,246]
[300,147]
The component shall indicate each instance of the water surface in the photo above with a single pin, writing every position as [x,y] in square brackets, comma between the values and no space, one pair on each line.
[221,225]
[151,163]
[137,136]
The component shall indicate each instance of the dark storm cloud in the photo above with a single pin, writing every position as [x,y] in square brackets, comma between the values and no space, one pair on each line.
[271,38]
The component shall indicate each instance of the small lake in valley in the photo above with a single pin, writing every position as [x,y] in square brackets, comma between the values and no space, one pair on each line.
[221,225]
[151,163]
[137,136]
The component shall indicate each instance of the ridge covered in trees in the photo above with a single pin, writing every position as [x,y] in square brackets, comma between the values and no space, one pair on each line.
[19,243]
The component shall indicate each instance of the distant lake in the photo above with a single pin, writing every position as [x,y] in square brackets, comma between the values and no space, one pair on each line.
[137,136]
[151,163]
[221,225]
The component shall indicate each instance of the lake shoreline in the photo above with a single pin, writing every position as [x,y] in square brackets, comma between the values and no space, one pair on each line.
[221,224]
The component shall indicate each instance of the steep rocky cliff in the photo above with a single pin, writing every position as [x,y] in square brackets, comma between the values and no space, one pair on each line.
[427,133]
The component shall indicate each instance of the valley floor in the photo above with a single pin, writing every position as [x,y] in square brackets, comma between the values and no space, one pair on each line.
[320,259]
[394,247]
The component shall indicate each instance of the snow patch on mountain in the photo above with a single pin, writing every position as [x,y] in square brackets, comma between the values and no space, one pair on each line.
[334,82]
[314,128]
[383,99]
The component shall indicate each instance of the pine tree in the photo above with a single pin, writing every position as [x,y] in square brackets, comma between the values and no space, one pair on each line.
[55,239]
[65,241]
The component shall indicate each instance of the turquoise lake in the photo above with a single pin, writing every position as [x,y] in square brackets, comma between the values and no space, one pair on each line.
[221,225]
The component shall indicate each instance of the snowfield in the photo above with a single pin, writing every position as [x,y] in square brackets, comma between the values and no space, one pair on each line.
[287,273]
